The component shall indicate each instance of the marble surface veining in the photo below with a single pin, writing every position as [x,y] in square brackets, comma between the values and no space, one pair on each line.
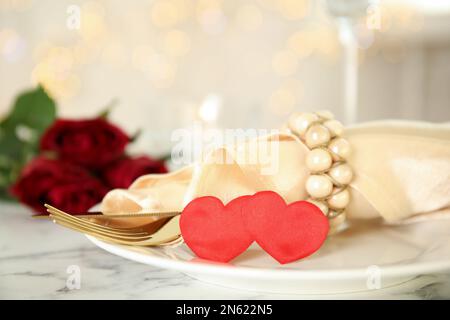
[35,256]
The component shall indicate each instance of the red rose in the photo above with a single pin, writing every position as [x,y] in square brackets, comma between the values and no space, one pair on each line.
[90,143]
[64,185]
[123,172]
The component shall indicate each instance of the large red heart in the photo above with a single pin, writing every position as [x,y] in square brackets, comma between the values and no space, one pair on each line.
[214,231]
[286,232]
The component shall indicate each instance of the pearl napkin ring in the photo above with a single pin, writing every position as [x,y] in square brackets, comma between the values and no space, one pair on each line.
[330,174]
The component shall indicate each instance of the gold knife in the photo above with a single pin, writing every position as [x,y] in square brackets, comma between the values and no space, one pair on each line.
[98,214]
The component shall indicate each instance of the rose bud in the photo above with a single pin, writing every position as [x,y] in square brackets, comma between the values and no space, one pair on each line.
[90,143]
[66,186]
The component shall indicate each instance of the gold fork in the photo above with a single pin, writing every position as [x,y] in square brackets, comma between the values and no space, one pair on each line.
[105,225]
[168,233]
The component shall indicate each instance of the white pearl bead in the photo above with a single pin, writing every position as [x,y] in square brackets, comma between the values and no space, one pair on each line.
[317,135]
[321,205]
[318,160]
[300,123]
[340,148]
[336,128]
[339,200]
[342,174]
[325,114]
[319,186]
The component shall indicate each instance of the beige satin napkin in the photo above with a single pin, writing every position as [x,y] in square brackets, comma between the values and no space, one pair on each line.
[402,172]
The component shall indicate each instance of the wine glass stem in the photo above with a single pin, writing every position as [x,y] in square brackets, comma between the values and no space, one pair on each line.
[350,46]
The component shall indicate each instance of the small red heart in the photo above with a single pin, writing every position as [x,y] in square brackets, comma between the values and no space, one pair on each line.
[214,231]
[286,232]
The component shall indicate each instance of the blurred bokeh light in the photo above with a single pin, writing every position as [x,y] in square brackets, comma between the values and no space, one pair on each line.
[262,58]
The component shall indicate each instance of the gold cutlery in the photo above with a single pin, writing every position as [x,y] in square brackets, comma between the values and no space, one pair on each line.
[108,224]
[101,215]
[160,232]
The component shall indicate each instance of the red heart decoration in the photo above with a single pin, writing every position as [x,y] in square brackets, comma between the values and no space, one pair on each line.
[286,232]
[214,231]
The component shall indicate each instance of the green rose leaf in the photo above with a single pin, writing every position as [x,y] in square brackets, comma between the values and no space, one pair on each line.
[33,109]
[20,132]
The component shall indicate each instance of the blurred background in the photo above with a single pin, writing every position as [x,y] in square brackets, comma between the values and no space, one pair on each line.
[229,63]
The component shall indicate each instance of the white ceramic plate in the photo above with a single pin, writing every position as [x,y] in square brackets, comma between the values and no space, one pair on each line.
[363,257]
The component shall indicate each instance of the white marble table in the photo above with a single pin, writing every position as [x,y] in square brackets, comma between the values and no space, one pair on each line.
[35,255]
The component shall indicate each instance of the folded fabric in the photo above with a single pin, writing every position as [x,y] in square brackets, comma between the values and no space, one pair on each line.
[402,173]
